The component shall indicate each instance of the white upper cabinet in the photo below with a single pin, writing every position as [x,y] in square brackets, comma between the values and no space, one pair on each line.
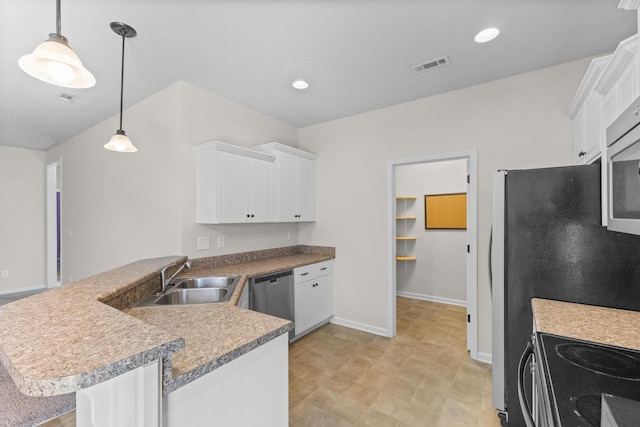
[618,84]
[586,113]
[610,85]
[233,184]
[294,182]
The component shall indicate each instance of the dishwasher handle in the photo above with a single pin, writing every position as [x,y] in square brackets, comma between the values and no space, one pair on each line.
[272,278]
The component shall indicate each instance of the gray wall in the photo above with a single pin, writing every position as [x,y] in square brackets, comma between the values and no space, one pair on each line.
[517,122]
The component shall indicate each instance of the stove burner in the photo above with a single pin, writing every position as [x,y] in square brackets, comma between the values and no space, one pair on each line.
[601,360]
[590,407]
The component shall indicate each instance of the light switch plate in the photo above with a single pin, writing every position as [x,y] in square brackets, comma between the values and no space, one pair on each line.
[221,241]
[203,243]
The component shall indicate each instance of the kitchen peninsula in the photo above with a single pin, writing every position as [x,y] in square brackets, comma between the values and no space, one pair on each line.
[181,361]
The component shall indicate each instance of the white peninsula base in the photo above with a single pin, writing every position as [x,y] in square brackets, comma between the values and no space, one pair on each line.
[252,390]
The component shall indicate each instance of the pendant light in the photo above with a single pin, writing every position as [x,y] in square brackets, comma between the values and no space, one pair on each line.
[53,61]
[120,141]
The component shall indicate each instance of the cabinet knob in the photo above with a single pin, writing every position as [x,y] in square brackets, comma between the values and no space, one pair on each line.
[582,153]
[248,216]
[252,215]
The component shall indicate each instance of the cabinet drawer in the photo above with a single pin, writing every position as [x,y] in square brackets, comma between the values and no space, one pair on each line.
[312,271]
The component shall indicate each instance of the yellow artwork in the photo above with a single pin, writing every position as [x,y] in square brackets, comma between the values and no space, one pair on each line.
[445,211]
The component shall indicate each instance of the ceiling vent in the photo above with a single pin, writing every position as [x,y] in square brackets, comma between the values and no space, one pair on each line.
[429,65]
[67,97]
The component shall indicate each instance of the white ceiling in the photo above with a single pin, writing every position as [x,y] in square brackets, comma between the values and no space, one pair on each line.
[356,54]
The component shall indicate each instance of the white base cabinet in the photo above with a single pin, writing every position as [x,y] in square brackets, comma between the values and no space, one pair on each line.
[252,390]
[313,296]
[131,399]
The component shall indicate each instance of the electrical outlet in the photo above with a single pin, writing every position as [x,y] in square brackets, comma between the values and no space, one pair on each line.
[221,241]
[203,243]
[5,273]
[289,235]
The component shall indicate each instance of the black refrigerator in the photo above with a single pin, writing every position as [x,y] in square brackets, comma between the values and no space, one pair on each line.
[548,242]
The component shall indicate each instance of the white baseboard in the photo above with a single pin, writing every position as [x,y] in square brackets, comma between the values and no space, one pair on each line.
[431,298]
[359,326]
[484,358]
[31,288]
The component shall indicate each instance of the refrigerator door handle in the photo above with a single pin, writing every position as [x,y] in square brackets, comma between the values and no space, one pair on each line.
[491,260]
[498,346]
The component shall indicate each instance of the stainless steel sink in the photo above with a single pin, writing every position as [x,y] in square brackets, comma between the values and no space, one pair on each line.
[193,296]
[193,290]
[206,282]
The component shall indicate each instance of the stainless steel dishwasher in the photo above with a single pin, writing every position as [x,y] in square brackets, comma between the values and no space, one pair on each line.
[273,294]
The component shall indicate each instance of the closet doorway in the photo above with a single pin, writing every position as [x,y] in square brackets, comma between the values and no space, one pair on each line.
[451,174]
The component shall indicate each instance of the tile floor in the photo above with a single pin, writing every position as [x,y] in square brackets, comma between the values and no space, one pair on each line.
[423,377]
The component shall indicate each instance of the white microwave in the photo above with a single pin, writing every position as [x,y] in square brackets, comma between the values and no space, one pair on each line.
[623,171]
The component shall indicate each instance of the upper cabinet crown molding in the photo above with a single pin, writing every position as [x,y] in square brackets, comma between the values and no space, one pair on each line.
[626,51]
[591,77]
[234,149]
[286,149]
[629,4]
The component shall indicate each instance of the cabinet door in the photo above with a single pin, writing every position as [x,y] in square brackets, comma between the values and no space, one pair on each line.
[304,306]
[594,137]
[286,187]
[305,191]
[579,151]
[323,293]
[233,181]
[261,193]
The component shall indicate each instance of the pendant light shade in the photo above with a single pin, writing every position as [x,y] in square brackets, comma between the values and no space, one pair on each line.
[120,141]
[53,61]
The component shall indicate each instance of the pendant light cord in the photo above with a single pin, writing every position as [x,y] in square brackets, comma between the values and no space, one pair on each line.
[58,20]
[121,82]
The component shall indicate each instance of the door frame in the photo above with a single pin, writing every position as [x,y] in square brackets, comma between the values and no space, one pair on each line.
[52,185]
[471,156]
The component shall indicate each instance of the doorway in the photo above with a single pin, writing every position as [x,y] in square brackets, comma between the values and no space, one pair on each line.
[470,157]
[53,201]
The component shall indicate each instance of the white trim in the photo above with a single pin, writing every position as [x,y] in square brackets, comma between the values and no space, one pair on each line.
[484,358]
[629,4]
[359,326]
[472,239]
[51,224]
[18,290]
[422,297]
[276,146]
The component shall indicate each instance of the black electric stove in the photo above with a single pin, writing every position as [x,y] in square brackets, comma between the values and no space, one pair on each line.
[579,372]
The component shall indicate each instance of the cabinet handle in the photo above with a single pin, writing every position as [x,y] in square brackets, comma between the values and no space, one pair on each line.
[304,274]
[323,268]
[582,153]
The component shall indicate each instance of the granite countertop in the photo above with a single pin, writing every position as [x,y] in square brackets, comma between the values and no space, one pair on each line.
[237,330]
[81,334]
[603,325]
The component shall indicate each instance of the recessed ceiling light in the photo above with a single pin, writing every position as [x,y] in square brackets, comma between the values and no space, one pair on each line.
[300,84]
[487,35]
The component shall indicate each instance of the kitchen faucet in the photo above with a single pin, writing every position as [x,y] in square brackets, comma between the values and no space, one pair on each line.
[166,281]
